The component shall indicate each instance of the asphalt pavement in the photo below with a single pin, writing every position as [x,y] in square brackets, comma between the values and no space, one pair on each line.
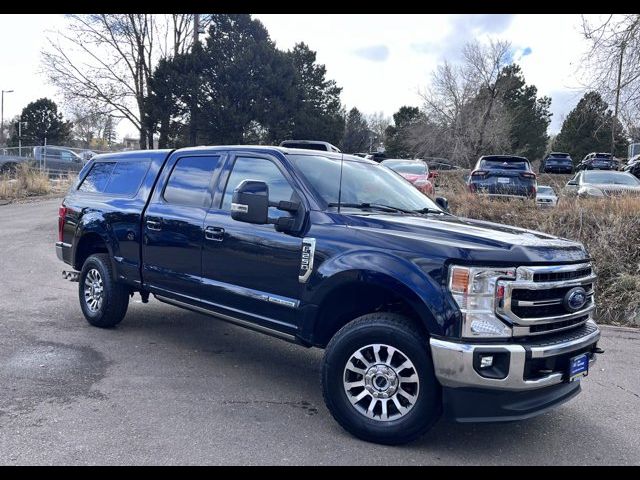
[174,387]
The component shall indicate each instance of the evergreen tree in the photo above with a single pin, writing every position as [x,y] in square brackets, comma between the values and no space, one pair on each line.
[356,133]
[587,129]
[319,114]
[396,145]
[529,116]
[42,121]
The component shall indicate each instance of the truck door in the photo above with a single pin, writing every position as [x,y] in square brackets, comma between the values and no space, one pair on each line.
[172,225]
[252,269]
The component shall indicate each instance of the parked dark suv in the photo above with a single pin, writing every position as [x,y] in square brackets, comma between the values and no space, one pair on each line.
[503,176]
[633,166]
[557,162]
[598,161]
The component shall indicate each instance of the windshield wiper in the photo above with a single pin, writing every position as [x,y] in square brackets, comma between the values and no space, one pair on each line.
[428,210]
[373,206]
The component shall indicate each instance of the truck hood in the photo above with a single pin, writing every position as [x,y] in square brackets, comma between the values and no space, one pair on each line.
[464,238]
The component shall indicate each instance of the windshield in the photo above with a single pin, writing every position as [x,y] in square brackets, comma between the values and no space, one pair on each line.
[503,164]
[362,182]
[410,168]
[545,190]
[614,178]
[558,155]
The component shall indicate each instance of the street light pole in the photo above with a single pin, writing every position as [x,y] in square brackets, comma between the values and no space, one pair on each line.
[2,114]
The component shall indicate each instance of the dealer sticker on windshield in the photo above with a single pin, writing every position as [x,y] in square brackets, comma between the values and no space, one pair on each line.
[578,367]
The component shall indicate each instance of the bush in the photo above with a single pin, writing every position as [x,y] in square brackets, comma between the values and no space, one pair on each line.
[24,182]
[608,228]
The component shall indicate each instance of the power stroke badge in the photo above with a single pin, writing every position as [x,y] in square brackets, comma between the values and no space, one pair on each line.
[306,262]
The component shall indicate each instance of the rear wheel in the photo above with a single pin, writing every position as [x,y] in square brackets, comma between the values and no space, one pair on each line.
[378,379]
[103,301]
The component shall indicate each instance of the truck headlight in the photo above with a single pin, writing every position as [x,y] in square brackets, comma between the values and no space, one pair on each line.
[474,290]
[591,191]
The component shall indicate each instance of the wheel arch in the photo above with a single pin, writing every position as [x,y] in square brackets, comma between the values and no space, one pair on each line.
[350,293]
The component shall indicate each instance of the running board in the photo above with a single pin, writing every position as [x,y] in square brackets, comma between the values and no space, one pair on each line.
[230,319]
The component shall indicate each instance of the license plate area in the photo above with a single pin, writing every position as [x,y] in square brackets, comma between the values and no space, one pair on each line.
[504,180]
[578,367]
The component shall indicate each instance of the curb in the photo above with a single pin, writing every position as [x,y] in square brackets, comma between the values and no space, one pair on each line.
[619,329]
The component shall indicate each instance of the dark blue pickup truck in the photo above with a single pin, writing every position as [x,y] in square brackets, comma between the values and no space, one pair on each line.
[420,312]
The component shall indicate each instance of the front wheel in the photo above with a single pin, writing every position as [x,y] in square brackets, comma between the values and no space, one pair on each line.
[103,301]
[378,380]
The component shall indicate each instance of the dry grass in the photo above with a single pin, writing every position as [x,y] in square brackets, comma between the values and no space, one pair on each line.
[609,229]
[28,182]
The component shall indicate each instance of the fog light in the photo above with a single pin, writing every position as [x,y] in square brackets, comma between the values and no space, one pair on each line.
[486,362]
[491,362]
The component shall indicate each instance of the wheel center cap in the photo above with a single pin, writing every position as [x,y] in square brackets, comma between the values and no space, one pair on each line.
[381,381]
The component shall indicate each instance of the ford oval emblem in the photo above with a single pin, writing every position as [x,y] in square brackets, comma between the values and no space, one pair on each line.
[575,299]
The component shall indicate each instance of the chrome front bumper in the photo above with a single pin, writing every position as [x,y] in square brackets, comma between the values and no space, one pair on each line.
[454,361]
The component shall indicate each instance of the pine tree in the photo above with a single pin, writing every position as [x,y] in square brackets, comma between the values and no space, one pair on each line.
[319,114]
[587,129]
[356,133]
[42,121]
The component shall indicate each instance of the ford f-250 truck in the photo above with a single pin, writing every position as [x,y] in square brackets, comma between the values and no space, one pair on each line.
[420,312]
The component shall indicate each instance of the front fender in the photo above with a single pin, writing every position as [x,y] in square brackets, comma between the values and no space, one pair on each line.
[425,295]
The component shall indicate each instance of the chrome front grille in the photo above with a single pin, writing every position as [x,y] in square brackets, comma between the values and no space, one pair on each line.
[535,303]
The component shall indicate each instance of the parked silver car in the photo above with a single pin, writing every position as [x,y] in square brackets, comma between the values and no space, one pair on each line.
[602,183]
[546,196]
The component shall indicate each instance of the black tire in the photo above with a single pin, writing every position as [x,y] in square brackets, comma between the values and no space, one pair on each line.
[114,297]
[402,334]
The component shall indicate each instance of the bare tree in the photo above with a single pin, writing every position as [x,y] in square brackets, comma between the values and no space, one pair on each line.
[109,59]
[463,112]
[611,65]
[482,68]
[378,124]
[90,123]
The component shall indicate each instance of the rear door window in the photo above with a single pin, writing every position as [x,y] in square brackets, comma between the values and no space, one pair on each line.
[189,183]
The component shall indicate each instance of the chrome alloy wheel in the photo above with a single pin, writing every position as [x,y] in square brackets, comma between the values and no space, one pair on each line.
[381,382]
[93,290]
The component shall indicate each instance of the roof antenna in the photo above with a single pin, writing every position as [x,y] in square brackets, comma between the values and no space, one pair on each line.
[340,184]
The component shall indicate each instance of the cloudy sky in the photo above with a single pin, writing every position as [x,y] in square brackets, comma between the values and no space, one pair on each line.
[381,61]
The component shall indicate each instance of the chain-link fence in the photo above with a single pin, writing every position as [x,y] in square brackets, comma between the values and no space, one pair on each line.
[56,160]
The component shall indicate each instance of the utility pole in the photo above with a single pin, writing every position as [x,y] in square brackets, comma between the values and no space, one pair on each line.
[20,122]
[615,114]
[196,28]
[2,115]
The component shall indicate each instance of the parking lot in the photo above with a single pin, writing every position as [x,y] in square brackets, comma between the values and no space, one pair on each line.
[173,387]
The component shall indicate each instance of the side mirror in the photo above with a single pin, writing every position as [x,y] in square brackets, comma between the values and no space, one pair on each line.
[443,203]
[250,202]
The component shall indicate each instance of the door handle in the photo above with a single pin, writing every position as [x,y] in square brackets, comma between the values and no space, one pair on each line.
[153,225]
[214,233]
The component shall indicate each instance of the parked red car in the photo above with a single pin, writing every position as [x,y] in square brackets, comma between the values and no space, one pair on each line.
[416,171]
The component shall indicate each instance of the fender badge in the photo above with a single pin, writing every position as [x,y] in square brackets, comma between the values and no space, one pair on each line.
[306,263]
